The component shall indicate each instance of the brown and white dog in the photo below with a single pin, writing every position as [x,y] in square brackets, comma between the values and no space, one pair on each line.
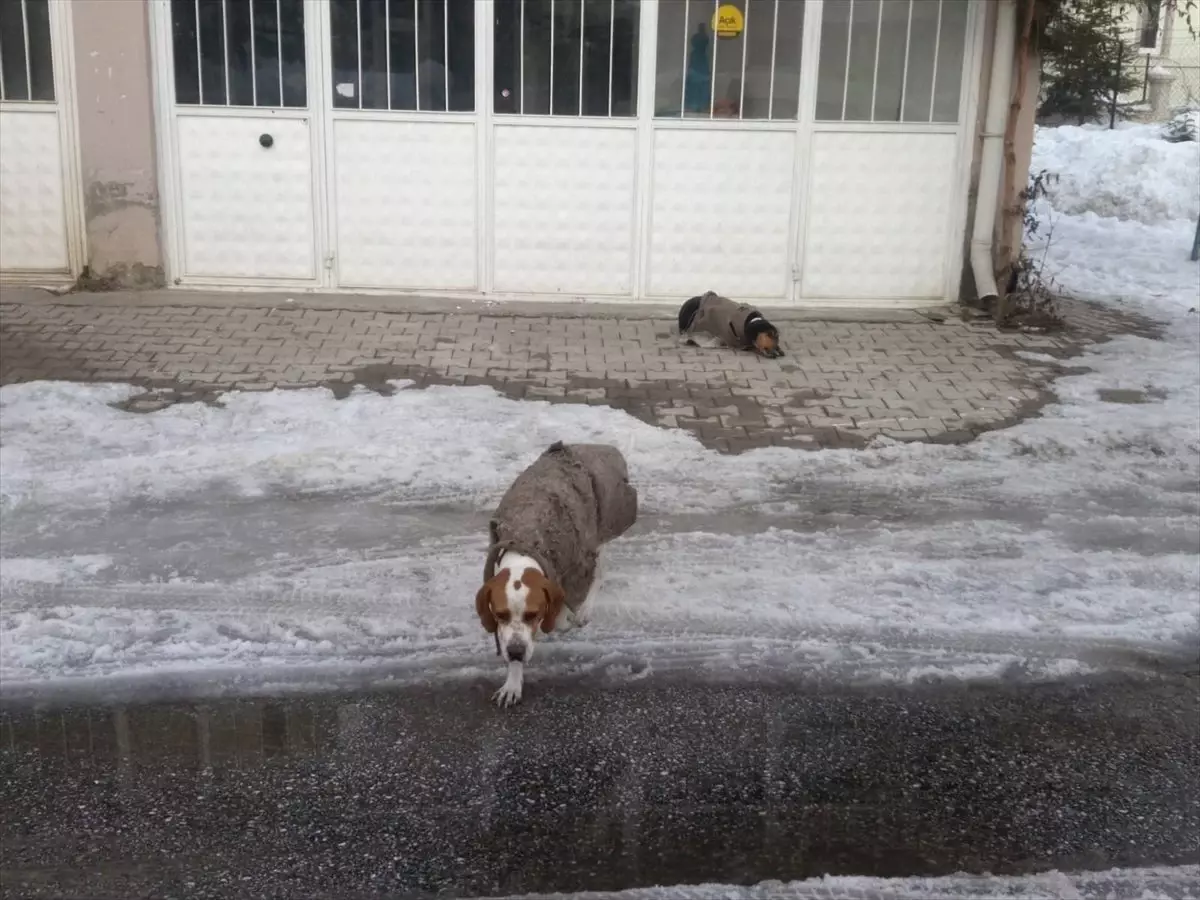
[513,606]
[544,540]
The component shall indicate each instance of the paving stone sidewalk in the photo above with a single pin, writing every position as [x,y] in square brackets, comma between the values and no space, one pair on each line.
[842,383]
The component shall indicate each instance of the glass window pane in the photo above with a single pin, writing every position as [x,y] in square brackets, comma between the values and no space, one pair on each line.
[506,60]
[788,40]
[183,37]
[668,79]
[266,51]
[950,61]
[626,25]
[697,70]
[864,34]
[41,63]
[727,62]
[212,52]
[462,55]
[343,40]
[295,77]
[831,67]
[759,23]
[922,43]
[12,51]
[431,55]
[890,77]
[565,89]
[607,57]
[597,37]
[237,28]
[402,33]
[373,37]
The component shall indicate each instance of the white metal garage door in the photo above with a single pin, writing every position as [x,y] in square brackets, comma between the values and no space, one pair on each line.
[599,148]
[40,203]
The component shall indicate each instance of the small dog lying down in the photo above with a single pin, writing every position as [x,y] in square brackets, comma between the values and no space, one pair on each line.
[544,539]
[711,320]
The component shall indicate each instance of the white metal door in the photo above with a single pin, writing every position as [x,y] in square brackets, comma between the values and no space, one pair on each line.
[889,154]
[401,81]
[235,78]
[565,147]
[40,222]
[727,142]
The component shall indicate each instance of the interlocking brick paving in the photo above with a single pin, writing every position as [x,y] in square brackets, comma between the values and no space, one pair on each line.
[842,383]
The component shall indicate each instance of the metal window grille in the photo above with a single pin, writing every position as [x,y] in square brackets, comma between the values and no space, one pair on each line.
[566,58]
[26,61]
[416,55]
[891,60]
[718,63]
[239,53]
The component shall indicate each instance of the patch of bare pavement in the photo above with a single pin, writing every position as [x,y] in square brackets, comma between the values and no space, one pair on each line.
[849,376]
[431,791]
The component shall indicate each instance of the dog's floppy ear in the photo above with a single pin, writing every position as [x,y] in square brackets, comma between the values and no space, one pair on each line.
[483,608]
[554,604]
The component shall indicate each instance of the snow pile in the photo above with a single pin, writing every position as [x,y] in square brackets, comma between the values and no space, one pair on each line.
[1129,173]
[1166,883]
[1119,224]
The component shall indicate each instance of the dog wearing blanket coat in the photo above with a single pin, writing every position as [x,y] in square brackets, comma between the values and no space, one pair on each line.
[544,540]
[711,320]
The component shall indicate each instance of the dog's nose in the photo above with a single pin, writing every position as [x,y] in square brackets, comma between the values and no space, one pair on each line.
[516,653]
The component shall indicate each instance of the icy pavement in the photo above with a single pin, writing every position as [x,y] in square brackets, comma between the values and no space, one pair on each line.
[290,530]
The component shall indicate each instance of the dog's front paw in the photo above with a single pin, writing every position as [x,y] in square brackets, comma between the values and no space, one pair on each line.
[508,695]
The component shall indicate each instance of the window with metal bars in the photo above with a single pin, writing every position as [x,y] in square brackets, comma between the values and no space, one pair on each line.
[239,52]
[728,60]
[415,55]
[26,62]
[566,57]
[891,60]
[1150,33]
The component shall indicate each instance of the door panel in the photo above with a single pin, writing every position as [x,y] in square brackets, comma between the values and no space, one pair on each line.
[33,195]
[406,204]
[247,208]
[33,224]
[565,200]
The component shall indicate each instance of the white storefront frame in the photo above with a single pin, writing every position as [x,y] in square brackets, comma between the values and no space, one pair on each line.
[322,118]
[64,261]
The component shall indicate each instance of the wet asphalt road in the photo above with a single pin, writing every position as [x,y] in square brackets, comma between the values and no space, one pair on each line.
[417,793]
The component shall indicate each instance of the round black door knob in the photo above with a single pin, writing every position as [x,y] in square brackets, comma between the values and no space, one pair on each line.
[266,140]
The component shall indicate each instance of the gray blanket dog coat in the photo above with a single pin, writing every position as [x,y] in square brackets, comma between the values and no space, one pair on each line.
[722,319]
[572,499]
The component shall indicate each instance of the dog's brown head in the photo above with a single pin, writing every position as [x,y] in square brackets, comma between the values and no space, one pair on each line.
[764,337]
[513,605]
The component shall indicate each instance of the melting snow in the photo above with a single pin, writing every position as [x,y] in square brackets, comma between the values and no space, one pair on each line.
[291,533]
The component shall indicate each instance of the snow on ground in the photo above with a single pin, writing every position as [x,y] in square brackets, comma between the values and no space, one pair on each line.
[1129,173]
[1166,883]
[289,537]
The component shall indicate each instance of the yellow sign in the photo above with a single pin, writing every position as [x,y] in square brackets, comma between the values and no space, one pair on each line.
[727,21]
